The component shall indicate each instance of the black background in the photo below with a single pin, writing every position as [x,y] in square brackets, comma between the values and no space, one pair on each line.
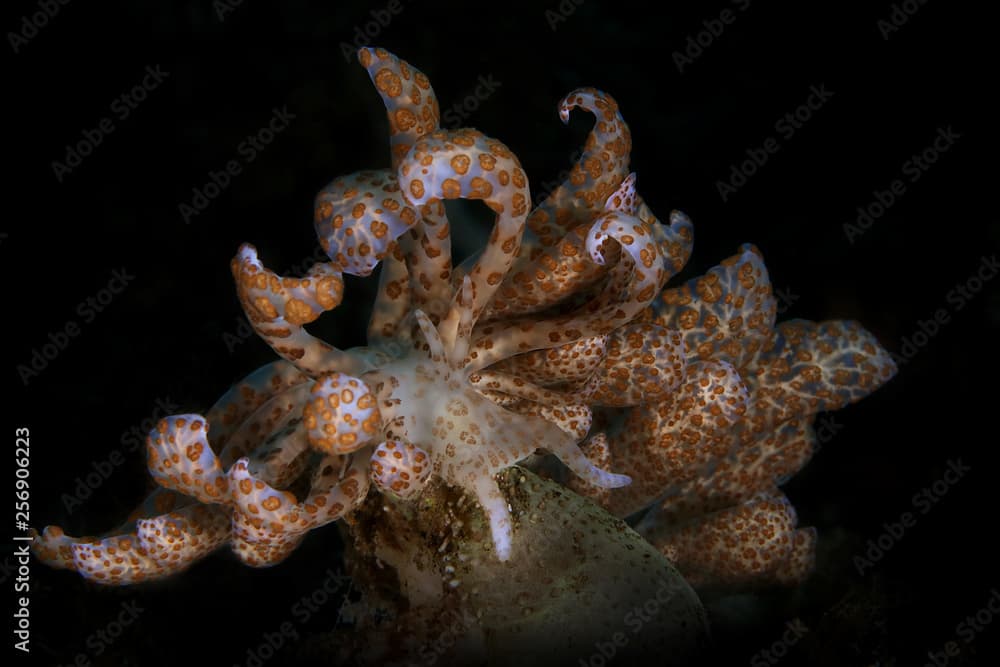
[165,336]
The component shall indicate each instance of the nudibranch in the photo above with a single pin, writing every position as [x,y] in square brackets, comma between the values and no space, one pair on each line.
[558,338]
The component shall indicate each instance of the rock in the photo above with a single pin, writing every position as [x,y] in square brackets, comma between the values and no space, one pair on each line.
[580,584]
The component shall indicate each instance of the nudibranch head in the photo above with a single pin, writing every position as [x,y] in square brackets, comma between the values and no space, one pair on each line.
[557,338]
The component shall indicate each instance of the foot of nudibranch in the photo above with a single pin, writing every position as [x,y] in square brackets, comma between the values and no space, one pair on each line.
[582,467]
[497,510]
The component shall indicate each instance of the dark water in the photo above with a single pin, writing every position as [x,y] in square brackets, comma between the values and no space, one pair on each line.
[171,338]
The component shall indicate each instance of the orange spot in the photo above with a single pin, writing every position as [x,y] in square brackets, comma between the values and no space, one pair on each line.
[460,163]
[388,82]
[451,189]
[480,188]
[298,312]
[417,188]
[405,119]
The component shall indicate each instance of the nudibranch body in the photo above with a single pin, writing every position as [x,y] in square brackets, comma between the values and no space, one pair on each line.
[437,419]
[557,338]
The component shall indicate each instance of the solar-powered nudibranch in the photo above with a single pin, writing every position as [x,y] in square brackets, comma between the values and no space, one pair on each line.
[686,404]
